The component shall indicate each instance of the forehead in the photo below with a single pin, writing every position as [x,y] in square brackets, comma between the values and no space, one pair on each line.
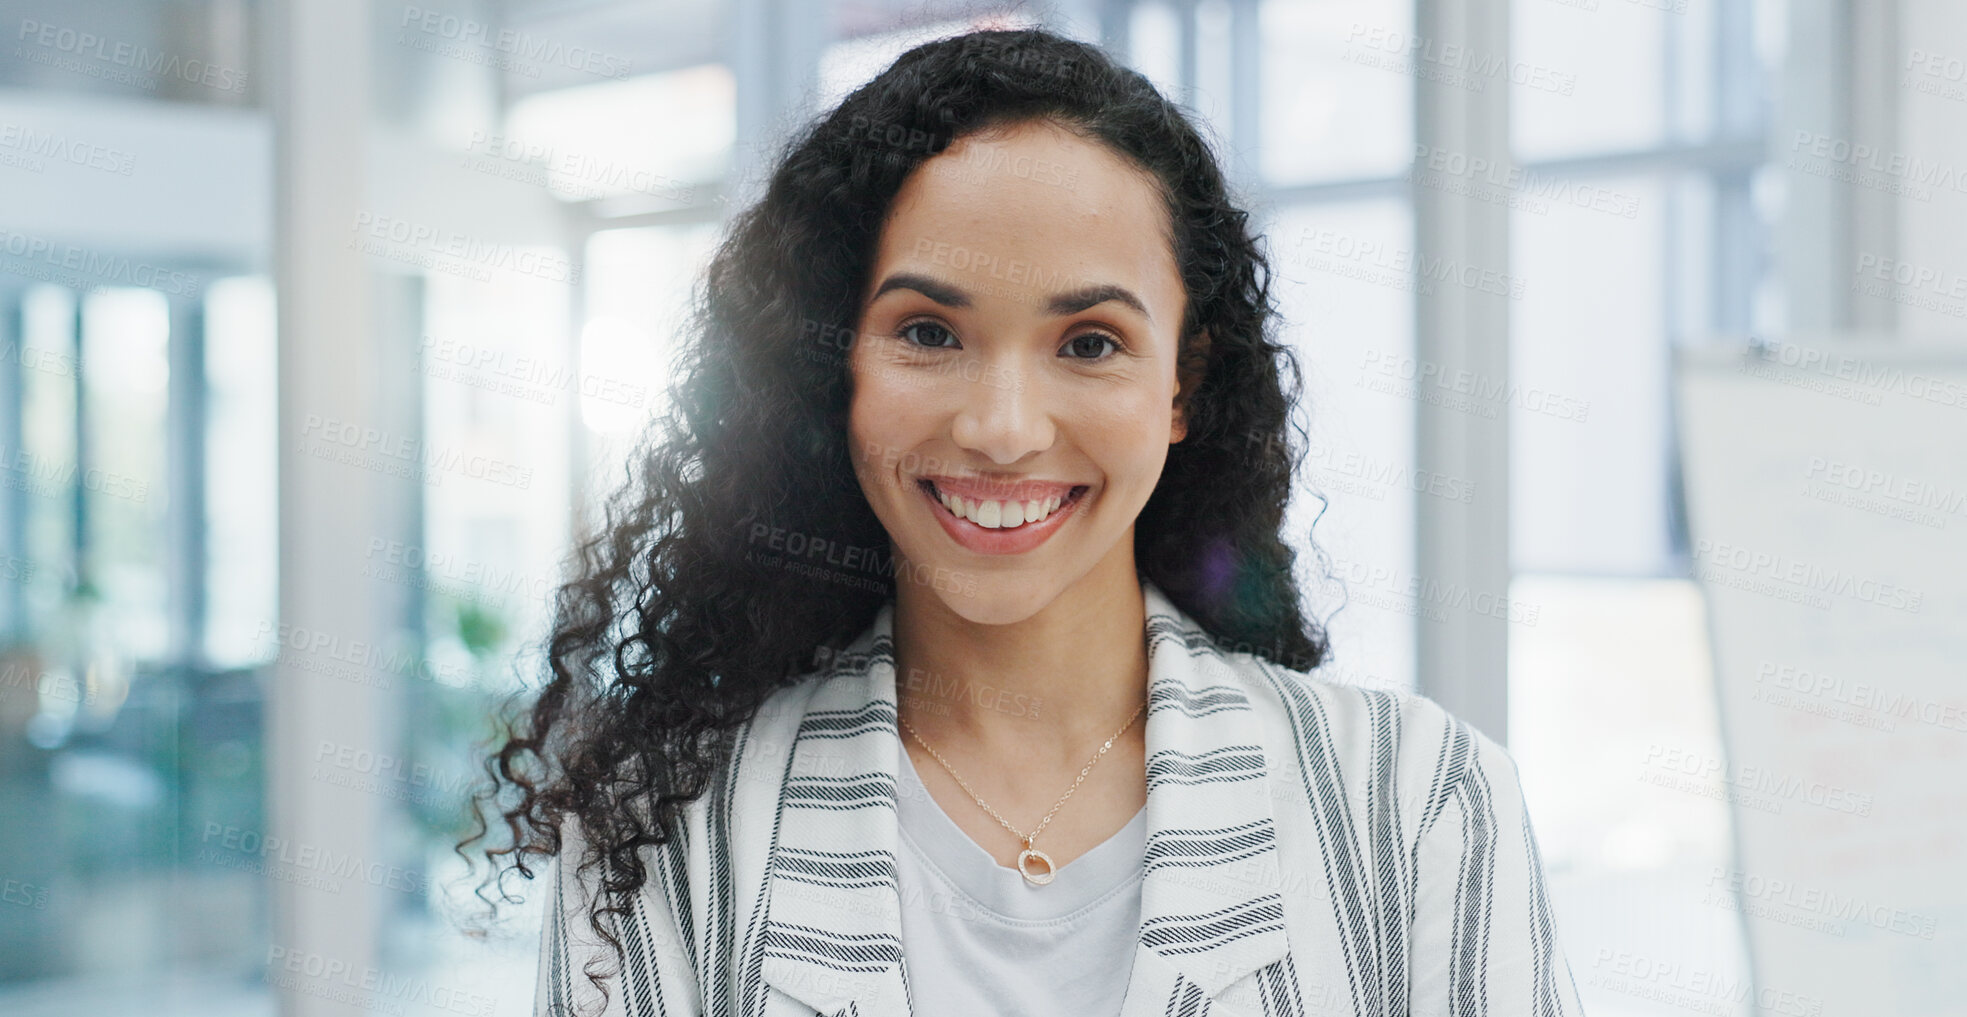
[1032,201]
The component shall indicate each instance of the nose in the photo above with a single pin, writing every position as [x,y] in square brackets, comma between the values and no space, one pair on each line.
[1001,416]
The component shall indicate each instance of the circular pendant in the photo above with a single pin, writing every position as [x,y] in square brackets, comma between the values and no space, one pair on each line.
[1025,856]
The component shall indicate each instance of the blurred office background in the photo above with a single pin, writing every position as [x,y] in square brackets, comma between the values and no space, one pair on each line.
[327,322]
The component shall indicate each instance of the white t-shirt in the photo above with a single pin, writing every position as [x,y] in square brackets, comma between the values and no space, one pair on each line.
[978,941]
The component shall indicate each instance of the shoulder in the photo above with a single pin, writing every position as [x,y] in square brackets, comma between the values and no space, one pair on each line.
[744,781]
[1360,736]
[778,718]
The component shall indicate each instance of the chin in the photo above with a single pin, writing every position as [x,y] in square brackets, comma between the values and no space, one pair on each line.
[996,598]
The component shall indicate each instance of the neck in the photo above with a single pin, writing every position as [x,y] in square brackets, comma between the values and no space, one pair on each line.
[1035,696]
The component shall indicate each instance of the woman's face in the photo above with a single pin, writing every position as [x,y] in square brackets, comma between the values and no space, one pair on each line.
[1016,349]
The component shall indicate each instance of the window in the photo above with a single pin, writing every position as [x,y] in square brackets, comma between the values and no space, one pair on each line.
[1634,230]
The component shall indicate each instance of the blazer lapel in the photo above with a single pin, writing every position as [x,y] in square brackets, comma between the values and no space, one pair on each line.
[1211,907]
[1211,910]
[832,932]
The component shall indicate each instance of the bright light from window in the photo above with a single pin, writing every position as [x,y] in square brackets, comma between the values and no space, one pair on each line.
[616,350]
[130,358]
[1157,47]
[659,135]
[242,458]
[852,63]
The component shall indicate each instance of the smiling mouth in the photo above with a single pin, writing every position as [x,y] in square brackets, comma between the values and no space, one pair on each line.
[1001,514]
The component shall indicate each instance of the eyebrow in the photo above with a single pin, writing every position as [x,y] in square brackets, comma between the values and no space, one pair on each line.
[1060,304]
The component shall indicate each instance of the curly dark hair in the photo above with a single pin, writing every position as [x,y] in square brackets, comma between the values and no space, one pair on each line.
[674,630]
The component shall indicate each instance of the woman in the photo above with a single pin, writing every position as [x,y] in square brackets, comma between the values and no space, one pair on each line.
[945,657]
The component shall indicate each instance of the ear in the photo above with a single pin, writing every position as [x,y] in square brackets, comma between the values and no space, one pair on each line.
[1190,366]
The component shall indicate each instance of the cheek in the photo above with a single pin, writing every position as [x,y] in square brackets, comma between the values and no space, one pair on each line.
[885,418]
[1124,412]
[1128,440]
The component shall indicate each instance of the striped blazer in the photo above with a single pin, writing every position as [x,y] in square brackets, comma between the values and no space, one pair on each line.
[1312,849]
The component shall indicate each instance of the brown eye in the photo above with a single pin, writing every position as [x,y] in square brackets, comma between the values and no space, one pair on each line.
[907,333]
[1078,344]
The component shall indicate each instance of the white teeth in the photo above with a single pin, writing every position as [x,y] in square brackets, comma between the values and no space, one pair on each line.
[1000,515]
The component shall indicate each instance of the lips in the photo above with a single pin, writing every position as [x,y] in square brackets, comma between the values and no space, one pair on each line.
[978,523]
[1008,507]
[981,489]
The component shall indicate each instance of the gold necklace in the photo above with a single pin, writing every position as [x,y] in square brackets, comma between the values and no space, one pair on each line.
[1029,853]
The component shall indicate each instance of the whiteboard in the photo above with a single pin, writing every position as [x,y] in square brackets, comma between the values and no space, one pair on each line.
[1825,482]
